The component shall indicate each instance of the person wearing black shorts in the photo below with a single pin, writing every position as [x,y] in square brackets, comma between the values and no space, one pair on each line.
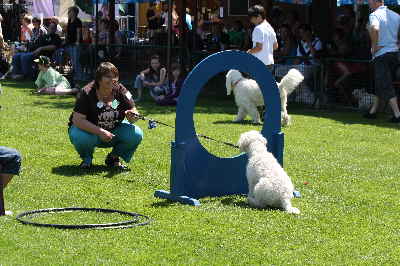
[10,165]
[384,25]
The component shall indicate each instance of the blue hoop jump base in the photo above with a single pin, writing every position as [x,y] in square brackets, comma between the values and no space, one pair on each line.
[195,173]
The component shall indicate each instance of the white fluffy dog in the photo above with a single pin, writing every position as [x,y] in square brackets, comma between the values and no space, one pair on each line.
[269,185]
[248,95]
[365,99]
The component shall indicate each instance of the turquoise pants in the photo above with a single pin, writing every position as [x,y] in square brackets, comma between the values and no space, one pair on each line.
[127,139]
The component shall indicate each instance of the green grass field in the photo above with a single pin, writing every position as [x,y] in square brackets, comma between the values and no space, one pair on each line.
[350,206]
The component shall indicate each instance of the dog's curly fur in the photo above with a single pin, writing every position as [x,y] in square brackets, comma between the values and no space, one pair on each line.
[248,95]
[269,185]
[365,99]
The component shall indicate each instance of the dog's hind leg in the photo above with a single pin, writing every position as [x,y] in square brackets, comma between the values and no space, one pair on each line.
[241,115]
[285,118]
[255,115]
[287,206]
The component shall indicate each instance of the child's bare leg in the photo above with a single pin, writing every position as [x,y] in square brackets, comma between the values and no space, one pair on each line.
[61,90]
[48,91]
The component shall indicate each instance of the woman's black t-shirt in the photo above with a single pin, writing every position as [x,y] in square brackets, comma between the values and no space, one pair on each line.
[97,112]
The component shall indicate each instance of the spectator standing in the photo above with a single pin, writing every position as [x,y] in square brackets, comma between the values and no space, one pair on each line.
[153,19]
[73,40]
[383,30]
[263,37]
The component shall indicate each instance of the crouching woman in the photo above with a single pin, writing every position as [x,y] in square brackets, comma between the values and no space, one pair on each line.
[98,120]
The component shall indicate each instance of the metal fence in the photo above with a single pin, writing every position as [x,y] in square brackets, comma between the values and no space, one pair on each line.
[332,82]
[329,82]
[130,59]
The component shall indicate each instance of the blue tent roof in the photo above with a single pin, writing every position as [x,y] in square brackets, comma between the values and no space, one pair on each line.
[339,2]
[298,2]
[351,2]
[126,1]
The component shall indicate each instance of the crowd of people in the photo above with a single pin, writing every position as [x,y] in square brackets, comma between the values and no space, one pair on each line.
[104,106]
[71,41]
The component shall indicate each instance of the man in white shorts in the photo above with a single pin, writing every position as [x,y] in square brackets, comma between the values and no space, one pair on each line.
[264,37]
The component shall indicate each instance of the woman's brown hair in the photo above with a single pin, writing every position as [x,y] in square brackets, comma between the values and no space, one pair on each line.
[104,69]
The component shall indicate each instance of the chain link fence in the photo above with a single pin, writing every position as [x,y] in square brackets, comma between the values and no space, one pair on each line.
[328,82]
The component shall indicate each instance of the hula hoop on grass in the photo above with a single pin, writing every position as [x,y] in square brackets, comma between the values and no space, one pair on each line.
[137,219]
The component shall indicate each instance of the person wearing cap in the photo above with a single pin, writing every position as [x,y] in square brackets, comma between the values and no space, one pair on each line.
[49,81]
[10,165]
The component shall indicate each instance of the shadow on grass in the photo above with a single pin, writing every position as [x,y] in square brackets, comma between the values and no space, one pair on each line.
[233,201]
[163,204]
[231,122]
[22,84]
[55,104]
[346,117]
[242,203]
[75,170]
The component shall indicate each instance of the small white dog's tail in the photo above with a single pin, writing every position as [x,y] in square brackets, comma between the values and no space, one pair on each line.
[290,81]
[232,76]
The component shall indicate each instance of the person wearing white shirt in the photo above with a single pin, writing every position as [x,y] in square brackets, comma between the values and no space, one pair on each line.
[263,37]
[384,26]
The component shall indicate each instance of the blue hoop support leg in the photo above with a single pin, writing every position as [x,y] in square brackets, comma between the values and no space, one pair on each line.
[195,173]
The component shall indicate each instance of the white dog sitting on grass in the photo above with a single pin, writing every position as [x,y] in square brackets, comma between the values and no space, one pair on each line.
[269,185]
[248,95]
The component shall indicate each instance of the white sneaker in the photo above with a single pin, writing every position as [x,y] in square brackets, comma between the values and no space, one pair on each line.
[9,213]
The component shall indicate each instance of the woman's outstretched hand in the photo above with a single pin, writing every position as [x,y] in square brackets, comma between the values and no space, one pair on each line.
[132,115]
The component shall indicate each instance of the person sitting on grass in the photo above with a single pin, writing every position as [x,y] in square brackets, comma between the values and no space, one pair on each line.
[168,95]
[10,165]
[38,29]
[26,29]
[152,77]
[46,45]
[98,120]
[49,81]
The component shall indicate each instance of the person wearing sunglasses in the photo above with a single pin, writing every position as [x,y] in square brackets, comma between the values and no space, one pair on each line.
[99,120]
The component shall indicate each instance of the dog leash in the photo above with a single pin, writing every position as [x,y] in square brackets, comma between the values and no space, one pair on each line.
[153,124]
